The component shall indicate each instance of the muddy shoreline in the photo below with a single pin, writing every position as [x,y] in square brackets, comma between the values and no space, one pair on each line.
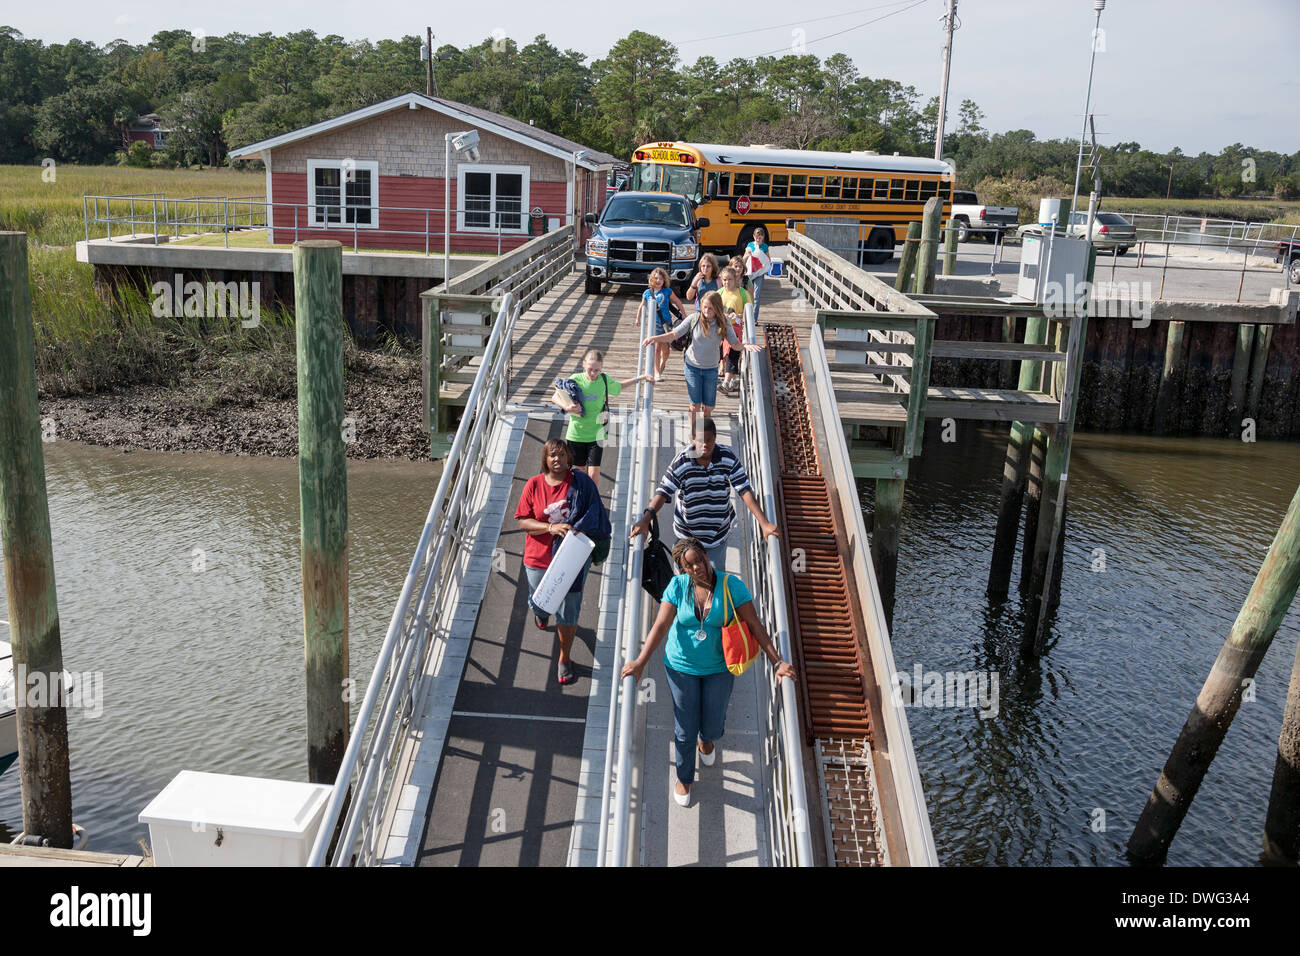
[206,413]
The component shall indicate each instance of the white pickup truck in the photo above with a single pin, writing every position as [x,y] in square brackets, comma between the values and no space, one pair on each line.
[970,215]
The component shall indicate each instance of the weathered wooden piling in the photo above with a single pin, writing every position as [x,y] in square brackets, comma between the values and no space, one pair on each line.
[950,251]
[1170,376]
[929,246]
[1015,469]
[1258,365]
[1267,603]
[886,520]
[1033,502]
[29,565]
[1282,825]
[323,497]
[907,261]
[1237,382]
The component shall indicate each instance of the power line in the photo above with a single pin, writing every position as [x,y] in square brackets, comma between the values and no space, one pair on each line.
[795,23]
[838,33]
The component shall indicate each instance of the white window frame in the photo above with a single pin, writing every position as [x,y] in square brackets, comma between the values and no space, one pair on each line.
[524,207]
[366,164]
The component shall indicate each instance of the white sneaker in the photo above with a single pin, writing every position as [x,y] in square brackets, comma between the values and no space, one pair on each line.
[707,758]
[683,799]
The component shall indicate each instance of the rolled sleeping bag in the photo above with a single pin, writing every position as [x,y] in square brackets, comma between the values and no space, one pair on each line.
[566,565]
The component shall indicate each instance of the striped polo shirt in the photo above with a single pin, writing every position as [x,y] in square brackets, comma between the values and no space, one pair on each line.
[703,493]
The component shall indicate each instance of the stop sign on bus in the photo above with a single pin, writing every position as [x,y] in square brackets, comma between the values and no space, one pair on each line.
[742,204]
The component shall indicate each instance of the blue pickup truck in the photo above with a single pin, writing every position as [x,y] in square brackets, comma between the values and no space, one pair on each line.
[641,231]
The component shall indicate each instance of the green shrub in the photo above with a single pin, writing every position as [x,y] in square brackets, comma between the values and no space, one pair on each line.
[139,155]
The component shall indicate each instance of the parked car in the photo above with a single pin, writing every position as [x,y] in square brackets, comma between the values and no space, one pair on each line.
[1109,230]
[1288,253]
[971,216]
[641,231]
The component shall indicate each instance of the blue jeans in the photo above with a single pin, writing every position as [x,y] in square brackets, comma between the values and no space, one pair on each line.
[756,290]
[701,384]
[567,615]
[718,556]
[699,712]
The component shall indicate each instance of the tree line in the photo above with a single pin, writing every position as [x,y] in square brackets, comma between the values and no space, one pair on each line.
[75,101]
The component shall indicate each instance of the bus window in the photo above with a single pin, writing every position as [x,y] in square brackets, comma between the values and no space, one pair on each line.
[882,188]
[724,184]
[741,181]
[832,187]
[896,190]
[929,188]
[797,185]
[913,187]
[814,187]
[780,185]
[850,190]
[762,185]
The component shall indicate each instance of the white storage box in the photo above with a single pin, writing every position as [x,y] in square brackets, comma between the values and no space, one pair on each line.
[214,819]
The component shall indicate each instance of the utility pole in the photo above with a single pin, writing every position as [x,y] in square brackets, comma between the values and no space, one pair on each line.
[1097,5]
[428,40]
[943,90]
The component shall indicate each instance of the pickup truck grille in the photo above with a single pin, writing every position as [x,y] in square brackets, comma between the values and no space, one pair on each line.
[622,250]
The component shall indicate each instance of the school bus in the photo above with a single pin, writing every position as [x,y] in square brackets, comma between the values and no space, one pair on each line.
[740,187]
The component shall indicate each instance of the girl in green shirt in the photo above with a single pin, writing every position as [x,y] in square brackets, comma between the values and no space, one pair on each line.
[586,432]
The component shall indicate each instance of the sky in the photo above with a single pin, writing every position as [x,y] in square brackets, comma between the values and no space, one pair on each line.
[1197,74]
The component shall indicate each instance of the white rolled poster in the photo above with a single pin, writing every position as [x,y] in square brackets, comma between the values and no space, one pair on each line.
[566,564]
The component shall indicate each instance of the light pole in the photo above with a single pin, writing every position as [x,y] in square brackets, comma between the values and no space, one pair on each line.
[467,143]
[1098,5]
[573,196]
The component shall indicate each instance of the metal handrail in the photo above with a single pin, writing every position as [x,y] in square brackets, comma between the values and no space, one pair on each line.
[174,218]
[618,738]
[411,636]
[787,802]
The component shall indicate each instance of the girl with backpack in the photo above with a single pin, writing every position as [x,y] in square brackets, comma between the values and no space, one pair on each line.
[586,432]
[708,330]
[660,298]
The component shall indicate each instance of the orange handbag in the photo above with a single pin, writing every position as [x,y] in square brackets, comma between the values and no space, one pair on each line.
[739,649]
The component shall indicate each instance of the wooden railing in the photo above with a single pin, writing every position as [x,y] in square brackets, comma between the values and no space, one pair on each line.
[867,317]
[457,317]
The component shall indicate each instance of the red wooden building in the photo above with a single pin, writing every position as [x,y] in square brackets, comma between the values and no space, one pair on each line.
[378,174]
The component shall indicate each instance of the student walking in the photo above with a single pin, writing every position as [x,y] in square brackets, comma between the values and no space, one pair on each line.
[556,502]
[708,330]
[660,298]
[734,299]
[758,262]
[699,482]
[705,281]
[691,616]
[587,425]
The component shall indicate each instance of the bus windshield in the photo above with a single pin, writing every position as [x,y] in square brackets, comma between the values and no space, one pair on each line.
[656,177]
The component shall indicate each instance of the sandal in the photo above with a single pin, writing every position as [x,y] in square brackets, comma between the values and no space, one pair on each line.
[565,673]
[543,621]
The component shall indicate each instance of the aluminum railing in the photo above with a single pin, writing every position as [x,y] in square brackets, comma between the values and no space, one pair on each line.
[152,214]
[1259,238]
[363,789]
[786,807]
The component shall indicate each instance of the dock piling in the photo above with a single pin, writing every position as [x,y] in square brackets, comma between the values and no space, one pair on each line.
[1237,383]
[43,763]
[929,246]
[1282,825]
[323,498]
[1267,603]
[950,251]
[1175,359]
[907,261]
[886,521]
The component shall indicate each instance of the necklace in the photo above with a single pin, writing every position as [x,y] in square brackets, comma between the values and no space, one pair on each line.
[700,615]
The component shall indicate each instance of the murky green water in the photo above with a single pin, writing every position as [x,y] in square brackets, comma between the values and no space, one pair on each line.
[202,669]
[1182,526]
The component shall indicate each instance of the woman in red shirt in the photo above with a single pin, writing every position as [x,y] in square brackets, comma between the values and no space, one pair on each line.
[544,512]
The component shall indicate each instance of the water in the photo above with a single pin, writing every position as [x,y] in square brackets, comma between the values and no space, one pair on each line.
[178,578]
[1182,526]
[202,669]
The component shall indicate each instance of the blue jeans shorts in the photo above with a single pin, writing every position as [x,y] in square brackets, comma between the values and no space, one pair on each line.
[701,384]
[567,615]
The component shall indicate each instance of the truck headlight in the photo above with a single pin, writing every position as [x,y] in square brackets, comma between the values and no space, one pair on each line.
[597,247]
[687,250]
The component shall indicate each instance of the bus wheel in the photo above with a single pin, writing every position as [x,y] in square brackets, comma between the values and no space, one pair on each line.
[879,247]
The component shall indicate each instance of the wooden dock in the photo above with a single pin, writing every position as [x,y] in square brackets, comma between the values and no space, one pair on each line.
[51,856]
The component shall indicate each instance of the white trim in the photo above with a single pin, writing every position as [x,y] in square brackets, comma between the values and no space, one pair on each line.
[409,101]
[270,208]
[366,164]
[524,207]
[571,168]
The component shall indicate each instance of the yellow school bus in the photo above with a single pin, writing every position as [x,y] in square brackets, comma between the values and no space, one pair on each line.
[740,187]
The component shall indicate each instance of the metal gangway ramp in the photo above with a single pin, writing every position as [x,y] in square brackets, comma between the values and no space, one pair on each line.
[465,751]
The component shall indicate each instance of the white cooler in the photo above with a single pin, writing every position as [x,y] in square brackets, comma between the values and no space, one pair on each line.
[214,819]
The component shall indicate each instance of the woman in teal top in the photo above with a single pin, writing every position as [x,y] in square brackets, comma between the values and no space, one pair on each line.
[691,617]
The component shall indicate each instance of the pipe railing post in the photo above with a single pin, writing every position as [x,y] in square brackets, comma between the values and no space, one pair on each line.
[323,496]
[42,717]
